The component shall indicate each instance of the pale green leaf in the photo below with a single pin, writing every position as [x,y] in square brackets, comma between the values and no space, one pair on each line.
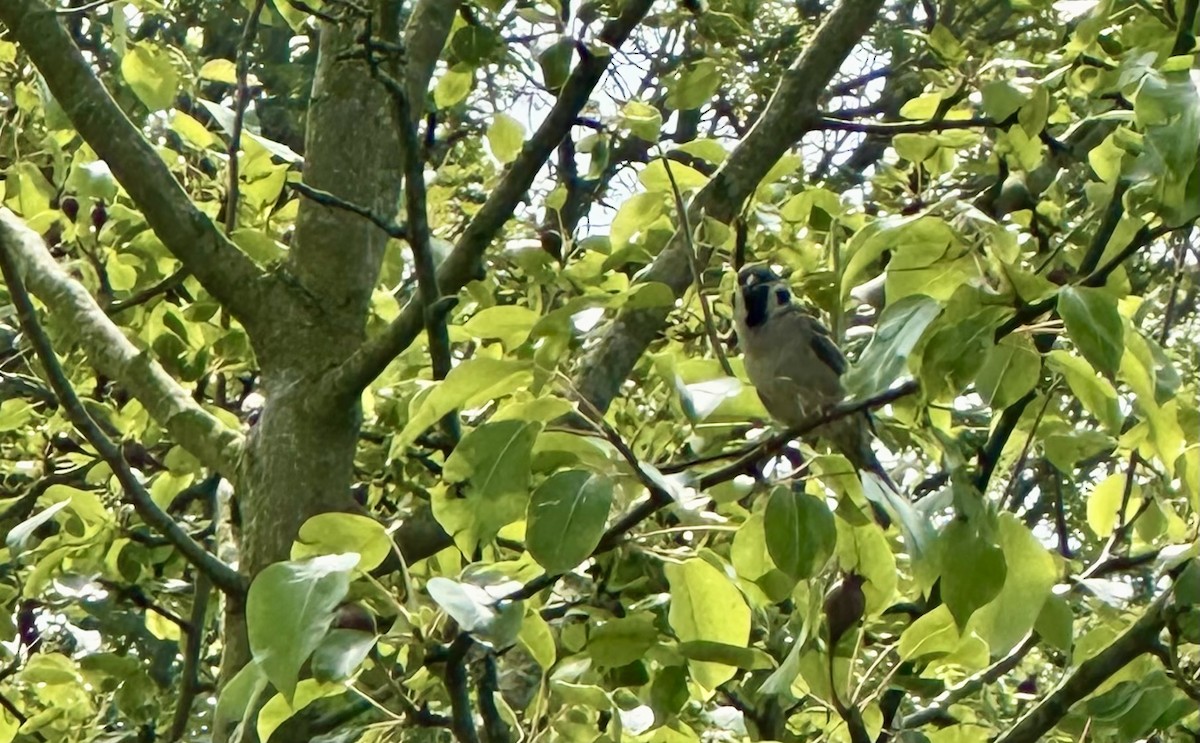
[705,605]
[505,136]
[337,533]
[148,71]
[289,609]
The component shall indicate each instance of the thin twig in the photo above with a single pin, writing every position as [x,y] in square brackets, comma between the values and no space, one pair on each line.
[83,8]
[224,577]
[189,674]
[969,686]
[1010,490]
[697,274]
[831,123]
[240,100]
[173,281]
[324,198]
[419,237]
[660,498]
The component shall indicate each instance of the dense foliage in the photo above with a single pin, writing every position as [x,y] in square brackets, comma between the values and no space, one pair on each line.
[378,380]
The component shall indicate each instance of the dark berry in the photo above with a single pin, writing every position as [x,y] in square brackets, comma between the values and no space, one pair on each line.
[70,208]
[99,216]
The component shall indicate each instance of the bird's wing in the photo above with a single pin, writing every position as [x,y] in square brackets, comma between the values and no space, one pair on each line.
[810,330]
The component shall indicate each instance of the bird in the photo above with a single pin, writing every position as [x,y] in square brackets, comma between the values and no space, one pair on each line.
[796,367]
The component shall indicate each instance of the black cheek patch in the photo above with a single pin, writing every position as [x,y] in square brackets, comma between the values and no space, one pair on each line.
[756,304]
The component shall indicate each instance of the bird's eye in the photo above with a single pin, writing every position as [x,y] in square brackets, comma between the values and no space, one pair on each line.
[782,296]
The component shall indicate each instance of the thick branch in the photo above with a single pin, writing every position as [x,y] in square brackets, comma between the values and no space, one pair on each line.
[790,114]
[353,152]
[464,262]
[224,577]
[215,445]
[222,269]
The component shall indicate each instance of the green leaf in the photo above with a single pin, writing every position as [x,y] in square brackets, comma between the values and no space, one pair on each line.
[566,518]
[192,131]
[238,694]
[556,64]
[1094,325]
[454,85]
[261,247]
[749,659]
[219,70]
[505,136]
[1031,575]
[32,191]
[922,107]
[469,605]
[15,414]
[654,177]
[800,531]
[956,348]
[475,43]
[621,641]
[289,609]
[340,654]
[705,605]
[1010,369]
[470,383]
[973,571]
[709,150]
[338,533]
[509,323]
[635,215]
[1096,393]
[1104,504]
[693,86]
[1056,623]
[495,458]
[928,259]
[148,71]
[642,120]
[1065,450]
[1001,99]
[279,709]
[900,327]
[669,691]
[933,633]
[17,536]
[92,180]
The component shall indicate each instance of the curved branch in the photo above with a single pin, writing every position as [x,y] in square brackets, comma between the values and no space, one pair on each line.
[790,114]
[222,269]
[464,262]
[223,577]
[203,434]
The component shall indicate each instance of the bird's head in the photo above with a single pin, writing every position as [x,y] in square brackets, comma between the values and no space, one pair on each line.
[760,292]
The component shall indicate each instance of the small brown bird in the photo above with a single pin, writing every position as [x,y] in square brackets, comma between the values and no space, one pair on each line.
[796,367]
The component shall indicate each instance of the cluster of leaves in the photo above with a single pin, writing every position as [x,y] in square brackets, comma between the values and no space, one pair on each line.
[1014,222]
